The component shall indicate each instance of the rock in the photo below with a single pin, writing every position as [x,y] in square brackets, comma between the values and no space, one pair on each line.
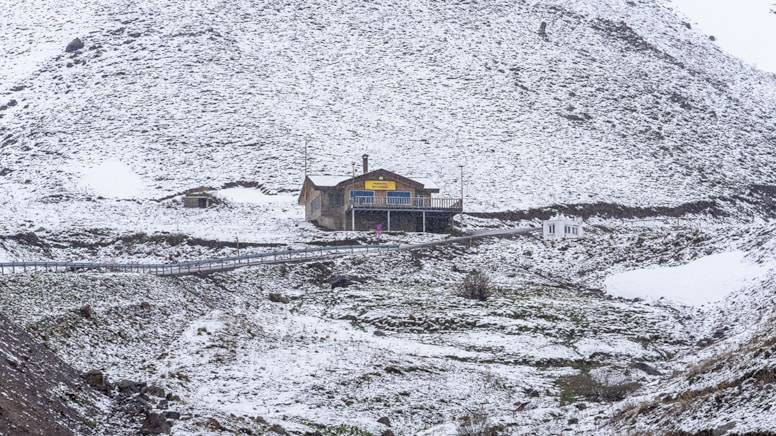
[543,30]
[154,391]
[129,387]
[278,298]
[581,406]
[74,45]
[641,366]
[87,312]
[385,421]
[724,429]
[156,424]
[387,433]
[10,104]
[172,397]
[146,306]
[379,333]
[134,34]
[573,421]
[341,282]
[277,428]
[98,380]
[202,331]
[172,415]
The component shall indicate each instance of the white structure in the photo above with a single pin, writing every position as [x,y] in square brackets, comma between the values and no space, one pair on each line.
[562,227]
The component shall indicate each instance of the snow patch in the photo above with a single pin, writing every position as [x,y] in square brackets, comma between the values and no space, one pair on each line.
[254,196]
[701,281]
[113,179]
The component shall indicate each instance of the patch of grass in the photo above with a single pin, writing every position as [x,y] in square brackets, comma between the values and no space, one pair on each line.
[584,387]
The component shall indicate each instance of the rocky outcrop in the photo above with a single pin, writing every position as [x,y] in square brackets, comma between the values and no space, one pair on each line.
[39,393]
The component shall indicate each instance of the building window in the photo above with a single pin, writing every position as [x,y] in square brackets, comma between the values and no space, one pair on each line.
[399,197]
[316,203]
[551,229]
[335,199]
[362,197]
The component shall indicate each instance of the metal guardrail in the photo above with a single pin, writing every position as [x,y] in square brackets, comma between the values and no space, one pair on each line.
[227,263]
[195,266]
[419,203]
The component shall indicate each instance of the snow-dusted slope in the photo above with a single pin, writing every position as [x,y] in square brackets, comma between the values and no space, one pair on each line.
[617,102]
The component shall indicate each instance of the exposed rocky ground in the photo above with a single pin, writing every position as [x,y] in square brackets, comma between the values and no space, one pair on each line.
[334,346]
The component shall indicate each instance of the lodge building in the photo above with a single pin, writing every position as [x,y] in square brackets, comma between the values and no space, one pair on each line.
[377,198]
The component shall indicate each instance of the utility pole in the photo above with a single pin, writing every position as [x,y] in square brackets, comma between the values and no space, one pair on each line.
[461,166]
[237,240]
[353,199]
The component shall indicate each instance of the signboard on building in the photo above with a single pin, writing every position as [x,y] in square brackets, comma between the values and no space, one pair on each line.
[380,185]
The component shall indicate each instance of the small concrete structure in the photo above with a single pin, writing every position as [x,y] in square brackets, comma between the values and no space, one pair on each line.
[198,199]
[562,227]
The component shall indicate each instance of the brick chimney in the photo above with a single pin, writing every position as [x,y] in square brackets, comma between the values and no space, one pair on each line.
[365,158]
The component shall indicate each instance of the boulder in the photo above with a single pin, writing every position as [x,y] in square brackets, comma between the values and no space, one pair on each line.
[129,387]
[385,421]
[74,45]
[154,391]
[87,312]
[98,380]
[156,424]
[387,433]
[172,415]
[278,298]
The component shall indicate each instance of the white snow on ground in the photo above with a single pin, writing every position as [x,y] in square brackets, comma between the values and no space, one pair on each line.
[255,196]
[701,281]
[112,178]
[741,28]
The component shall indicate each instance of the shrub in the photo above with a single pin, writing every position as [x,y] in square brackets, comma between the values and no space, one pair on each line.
[476,423]
[476,286]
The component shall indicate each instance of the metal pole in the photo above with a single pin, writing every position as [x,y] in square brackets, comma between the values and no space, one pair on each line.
[353,199]
[389,220]
[424,221]
[461,166]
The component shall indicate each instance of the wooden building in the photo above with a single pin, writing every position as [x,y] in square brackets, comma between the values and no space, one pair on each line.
[379,197]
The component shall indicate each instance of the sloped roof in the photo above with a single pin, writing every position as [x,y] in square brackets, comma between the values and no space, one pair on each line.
[327,181]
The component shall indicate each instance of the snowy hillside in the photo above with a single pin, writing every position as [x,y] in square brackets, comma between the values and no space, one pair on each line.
[619,112]
[190,94]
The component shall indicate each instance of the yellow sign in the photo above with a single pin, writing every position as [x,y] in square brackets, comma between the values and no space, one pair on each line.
[380,185]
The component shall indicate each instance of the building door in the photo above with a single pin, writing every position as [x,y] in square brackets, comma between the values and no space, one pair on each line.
[202,202]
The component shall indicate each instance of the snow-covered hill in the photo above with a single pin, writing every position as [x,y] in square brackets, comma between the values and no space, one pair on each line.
[616,101]
[613,110]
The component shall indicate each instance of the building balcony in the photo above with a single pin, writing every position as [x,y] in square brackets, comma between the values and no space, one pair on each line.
[419,204]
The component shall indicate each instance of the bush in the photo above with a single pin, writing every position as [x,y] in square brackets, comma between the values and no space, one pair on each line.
[476,286]
[476,423]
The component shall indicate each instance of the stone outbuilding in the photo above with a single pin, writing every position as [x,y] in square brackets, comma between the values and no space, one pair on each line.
[198,199]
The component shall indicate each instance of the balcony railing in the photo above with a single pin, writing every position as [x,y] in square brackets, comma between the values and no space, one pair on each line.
[419,203]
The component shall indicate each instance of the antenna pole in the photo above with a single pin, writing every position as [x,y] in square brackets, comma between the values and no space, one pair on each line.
[306,140]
